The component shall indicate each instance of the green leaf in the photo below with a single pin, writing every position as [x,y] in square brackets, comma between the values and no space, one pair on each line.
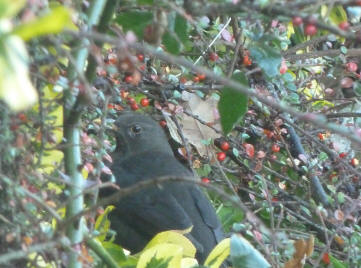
[9,8]
[115,251]
[336,263]
[244,255]
[181,28]
[54,22]
[102,223]
[135,21]
[268,58]
[171,43]
[145,2]
[341,197]
[338,15]
[233,104]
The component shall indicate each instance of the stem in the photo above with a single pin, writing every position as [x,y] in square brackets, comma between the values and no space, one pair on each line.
[72,154]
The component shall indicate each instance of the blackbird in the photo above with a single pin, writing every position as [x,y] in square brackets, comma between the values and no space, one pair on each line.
[143,153]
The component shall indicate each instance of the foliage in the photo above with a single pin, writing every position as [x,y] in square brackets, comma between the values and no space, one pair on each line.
[278,83]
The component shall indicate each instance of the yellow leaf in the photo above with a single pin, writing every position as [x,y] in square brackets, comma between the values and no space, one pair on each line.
[56,21]
[173,237]
[171,252]
[50,161]
[84,173]
[219,254]
[188,262]
[102,224]
[290,30]
[15,85]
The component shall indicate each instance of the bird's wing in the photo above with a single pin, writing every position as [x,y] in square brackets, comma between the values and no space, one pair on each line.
[207,213]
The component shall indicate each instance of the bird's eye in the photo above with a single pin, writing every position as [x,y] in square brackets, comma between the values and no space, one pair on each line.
[136,129]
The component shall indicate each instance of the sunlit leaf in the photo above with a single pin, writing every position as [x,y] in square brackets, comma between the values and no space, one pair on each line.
[115,251]
[50,160]
[54,22]
[167,255]
[9,8]
[218,254]
[15,85]
[102,224]
[172,237]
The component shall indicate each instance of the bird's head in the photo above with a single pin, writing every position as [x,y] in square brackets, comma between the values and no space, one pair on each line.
[137,133]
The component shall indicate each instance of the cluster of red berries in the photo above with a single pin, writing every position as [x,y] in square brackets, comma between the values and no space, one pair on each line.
[311,29]
[144,102]
[221,156]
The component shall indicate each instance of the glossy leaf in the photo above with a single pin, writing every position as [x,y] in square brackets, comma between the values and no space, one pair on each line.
[244,255]
[218,254]
[233,104]
[135,21]
[172,237]
[268,58]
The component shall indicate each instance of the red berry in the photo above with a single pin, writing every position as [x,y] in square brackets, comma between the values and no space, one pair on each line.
[344,25]
[283,68]
[110,106]
[201,77]
[205,180]
[342,155]
[22,117]
[247,61]
[140,57]
[183,80]
[354,161]
[297,21]
[144,102]
[351,67]
[213,56]
[326,258]
[128,79]
[163,123]
[268,133]
[310,29]
[275,148]
[225,146]
[221,156]
[196,79]
[134,106]
[130,100]
[321,136]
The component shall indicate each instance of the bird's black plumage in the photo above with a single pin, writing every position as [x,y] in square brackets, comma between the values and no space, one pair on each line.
[143,153]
